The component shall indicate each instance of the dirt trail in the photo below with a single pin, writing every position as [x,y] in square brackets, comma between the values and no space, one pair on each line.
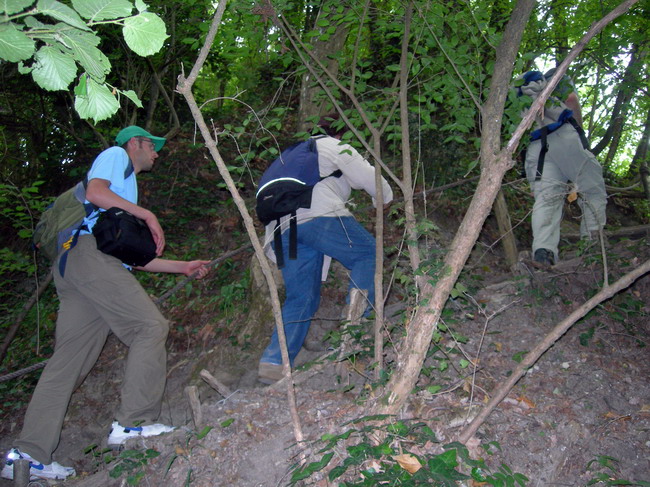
[586,399]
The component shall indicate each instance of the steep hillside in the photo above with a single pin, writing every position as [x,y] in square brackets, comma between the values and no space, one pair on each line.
[581,413]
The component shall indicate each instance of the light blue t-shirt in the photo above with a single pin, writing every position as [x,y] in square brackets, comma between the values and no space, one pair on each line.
[110,165]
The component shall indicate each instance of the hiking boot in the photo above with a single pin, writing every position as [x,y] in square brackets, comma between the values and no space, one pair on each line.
[544,257]
[269,373]
[37,470]
[315,345]
[120,434]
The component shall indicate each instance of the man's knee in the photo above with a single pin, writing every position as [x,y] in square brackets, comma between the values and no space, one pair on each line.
[157,328]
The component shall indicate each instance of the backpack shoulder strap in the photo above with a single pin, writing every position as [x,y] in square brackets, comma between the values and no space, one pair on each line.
[89,207]
[338,173]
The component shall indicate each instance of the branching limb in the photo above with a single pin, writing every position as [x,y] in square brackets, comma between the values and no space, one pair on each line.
[560,329]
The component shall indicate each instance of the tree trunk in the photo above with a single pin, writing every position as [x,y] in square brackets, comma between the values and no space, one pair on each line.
[311,104]
[629,84]
[641,158]
[185,88]
[505,230]
[407,178]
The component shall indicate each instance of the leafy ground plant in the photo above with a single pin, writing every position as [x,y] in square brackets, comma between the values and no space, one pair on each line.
[373,452]
[605,472]
[132,463]
[129,463]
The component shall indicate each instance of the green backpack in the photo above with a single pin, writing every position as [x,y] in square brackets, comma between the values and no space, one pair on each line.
[61,221]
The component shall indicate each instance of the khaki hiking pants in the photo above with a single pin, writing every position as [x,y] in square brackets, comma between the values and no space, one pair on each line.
[97,296]
[565,161]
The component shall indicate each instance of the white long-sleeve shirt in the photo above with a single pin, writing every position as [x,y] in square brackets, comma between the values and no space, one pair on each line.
[330,195]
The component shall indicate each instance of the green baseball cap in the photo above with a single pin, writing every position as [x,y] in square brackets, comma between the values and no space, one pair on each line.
[134,131]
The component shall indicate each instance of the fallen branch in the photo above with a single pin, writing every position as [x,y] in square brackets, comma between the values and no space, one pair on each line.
[192,393]
[560,329]
[216,384]
[636,231]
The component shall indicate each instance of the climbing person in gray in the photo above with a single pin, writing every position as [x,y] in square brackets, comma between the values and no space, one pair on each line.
[98,295]
[558,155]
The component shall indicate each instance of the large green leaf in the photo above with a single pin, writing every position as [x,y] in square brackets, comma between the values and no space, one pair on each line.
[131,95]
[98,10]
[10,7]
[61,12]
[14,45]
[93,61]
[145,33]
[33,23]
[98,104]
[53,70]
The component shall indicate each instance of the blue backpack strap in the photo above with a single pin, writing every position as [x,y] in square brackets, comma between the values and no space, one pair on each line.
[565,116]
[89,207]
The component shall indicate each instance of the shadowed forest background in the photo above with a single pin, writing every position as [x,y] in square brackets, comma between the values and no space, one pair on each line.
[415,82]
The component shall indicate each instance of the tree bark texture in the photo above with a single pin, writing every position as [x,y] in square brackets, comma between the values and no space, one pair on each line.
[184,87]
[641,158]
[505,229]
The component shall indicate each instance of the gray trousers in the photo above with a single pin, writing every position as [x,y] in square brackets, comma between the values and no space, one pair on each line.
[565,161]
[97,296]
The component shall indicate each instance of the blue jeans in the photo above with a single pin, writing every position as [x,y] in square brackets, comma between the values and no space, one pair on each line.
[343,239]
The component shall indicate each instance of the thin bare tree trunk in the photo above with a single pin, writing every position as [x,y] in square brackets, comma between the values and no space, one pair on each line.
[407,178]
[185,88]
[560,329]
[626,89]
[641,158]
[379,262]
[11,333]
[505,229]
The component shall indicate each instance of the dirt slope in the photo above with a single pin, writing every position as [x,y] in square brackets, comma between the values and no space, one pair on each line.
[586,399]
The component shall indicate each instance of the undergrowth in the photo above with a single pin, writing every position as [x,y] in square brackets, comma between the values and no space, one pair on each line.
[372,452]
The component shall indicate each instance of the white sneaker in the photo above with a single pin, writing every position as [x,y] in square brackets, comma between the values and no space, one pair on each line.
[119,434]
[37,470]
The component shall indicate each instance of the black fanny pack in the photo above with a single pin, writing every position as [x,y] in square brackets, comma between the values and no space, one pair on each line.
[122,235]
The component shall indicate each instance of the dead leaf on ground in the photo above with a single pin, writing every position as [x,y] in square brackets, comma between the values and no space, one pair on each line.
[408,462]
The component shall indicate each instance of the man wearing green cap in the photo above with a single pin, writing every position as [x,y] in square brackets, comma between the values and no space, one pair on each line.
[99,295]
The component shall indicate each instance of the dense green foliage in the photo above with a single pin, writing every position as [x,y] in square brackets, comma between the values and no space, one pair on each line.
[51,40]
[250,88]
[123,60]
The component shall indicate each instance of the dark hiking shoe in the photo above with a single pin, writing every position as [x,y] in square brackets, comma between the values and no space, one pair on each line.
[544,257]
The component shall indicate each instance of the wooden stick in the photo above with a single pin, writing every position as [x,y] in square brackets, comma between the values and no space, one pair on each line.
[214,383]
[195,404]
